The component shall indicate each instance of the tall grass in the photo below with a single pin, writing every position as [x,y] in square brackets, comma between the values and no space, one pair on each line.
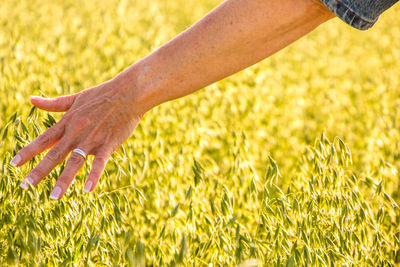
[249,171]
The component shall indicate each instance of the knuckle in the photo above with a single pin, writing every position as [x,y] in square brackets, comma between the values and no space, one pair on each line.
[95,174]
[43,139]
[54,155]
[25,151]
[63,182]
[102,159]
[37,174]
[76,159]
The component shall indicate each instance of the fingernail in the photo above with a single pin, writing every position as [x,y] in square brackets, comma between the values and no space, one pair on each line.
[55,194]
[26,182]
[37,97]
[88,186]
[14,162]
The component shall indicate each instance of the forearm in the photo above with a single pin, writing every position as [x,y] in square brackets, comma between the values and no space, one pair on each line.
[235,35]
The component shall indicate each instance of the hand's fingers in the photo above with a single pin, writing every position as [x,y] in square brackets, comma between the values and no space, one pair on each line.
[55,156]
[99,163]
[74,163]
[41,143]
[62,103]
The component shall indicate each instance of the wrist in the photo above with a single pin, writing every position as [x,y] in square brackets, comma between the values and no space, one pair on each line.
[141,84]
[129,85]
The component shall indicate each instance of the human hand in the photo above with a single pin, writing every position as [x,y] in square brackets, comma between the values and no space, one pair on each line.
[97,120]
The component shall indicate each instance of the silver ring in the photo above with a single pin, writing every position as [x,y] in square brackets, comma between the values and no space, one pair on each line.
[80,152]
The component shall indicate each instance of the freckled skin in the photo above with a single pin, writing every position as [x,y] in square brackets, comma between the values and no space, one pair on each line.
[233,36]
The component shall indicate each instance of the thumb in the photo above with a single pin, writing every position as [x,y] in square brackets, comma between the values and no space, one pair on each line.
[61,103]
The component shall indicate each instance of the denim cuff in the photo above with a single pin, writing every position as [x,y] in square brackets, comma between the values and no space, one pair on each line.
[360,14]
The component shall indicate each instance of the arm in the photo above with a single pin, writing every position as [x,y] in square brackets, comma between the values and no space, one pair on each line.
[235,35]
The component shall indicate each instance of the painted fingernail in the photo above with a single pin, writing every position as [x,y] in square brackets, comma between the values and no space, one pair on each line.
[88,186]
[16,160]
[55,194]
[26,182]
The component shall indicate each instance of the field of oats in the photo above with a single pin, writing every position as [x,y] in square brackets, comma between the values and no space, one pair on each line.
[292,162]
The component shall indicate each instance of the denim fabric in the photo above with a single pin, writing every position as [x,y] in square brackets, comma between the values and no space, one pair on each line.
[360,14]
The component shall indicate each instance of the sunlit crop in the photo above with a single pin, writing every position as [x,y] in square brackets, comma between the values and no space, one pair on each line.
[292,162]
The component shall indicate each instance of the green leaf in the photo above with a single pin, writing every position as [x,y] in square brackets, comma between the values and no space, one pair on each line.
[175,210]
